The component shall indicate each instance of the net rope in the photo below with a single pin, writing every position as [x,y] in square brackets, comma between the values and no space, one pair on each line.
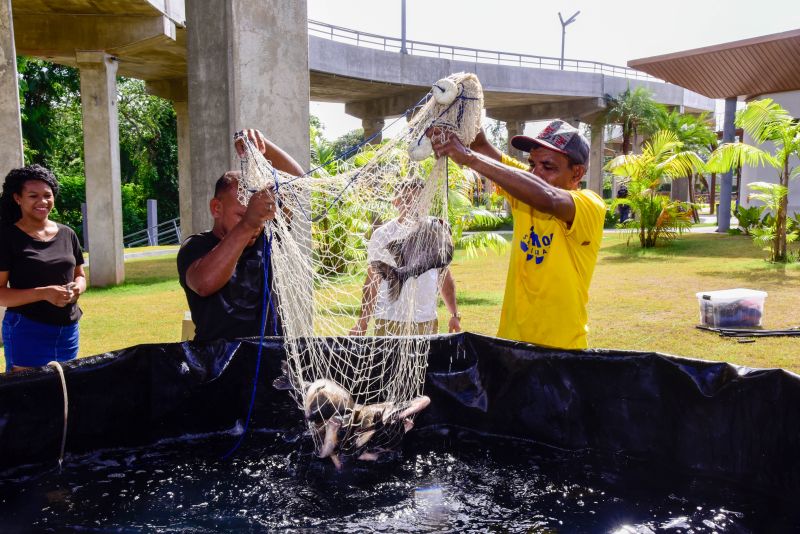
[359,394]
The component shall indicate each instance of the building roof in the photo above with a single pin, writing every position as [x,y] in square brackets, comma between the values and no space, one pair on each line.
[751,67]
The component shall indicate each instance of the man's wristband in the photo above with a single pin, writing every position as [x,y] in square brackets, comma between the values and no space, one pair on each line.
[456,316]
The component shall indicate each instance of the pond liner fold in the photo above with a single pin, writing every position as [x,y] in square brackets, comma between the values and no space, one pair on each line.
[701,417]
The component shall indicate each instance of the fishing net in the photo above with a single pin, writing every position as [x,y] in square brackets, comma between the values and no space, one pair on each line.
[382,209]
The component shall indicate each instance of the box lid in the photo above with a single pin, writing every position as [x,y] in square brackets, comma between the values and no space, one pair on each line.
[731,294]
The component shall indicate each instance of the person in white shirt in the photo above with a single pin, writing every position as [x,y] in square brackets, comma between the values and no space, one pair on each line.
[414,311]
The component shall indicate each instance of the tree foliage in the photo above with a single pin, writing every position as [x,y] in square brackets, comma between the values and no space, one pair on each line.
[45,90]
[662,159]
[344,145]
[497,133]
[341,230]
[52,129]
[766,121]
[635,111]
[772,196]
[695,132]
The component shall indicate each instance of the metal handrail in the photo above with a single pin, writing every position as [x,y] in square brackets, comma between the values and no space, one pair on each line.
[164,233]
[458,53]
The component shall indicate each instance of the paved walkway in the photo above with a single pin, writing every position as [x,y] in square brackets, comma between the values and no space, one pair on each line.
[146,253]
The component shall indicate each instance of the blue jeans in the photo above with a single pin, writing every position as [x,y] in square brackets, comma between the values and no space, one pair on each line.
[29,343]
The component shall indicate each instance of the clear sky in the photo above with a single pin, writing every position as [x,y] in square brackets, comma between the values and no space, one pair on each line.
[609,31]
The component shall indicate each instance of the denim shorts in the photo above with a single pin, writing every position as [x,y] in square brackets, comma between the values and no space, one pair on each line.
[29,343]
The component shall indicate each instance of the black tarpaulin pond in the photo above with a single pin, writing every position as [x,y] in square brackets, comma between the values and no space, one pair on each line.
[649,419]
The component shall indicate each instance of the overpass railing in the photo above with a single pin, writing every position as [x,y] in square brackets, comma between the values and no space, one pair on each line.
[164,233]
[477,55]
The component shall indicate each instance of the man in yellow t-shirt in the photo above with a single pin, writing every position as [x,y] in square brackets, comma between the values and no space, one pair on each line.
[557,231]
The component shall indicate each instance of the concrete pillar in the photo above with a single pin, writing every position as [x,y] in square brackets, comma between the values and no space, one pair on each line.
[184,171]
[10,125]
[85,227]
[152,222]
[98,73]
[373,127]
[247,63]
[515,128]
[596,157]
[726,181]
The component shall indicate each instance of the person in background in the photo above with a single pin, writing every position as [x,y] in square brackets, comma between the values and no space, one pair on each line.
[41,273]
[557,230]
[392,317]
[623,210]
[222,270]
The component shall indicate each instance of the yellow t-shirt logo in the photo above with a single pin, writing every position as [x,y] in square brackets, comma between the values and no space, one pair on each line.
[535,246]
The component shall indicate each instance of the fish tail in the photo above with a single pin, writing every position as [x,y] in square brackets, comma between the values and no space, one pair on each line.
[392,276]
[395,284]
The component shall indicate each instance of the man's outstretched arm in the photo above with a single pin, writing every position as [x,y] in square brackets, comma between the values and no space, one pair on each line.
[482,145]
[279,158]
[522,185]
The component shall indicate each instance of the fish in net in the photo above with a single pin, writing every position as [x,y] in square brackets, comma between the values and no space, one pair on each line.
[359,395]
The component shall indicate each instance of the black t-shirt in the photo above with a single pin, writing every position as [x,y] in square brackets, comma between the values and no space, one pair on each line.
[235,310]
[32,263]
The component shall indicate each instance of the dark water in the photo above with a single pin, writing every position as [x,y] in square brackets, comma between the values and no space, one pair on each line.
[443,482]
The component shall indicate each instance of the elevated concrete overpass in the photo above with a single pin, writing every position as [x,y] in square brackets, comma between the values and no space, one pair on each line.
[201,56]
[367,71]
[369,74]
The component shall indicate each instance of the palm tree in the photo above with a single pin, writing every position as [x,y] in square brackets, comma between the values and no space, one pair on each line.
[696,134]
[771,195]
[662,159]
[765,120]
[635,111]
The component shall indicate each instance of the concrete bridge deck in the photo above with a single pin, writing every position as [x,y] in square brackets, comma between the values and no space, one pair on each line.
[364,71]
[201,56]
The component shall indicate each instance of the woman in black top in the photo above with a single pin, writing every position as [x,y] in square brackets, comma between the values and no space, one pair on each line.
[42,264]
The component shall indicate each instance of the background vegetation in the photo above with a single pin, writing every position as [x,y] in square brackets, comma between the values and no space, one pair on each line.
[640,299]
[53,136]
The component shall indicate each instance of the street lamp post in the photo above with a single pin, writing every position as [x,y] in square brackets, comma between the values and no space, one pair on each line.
[563,31]
[403,49]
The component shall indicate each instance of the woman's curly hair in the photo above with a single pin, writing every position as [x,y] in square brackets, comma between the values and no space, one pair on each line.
[15,180]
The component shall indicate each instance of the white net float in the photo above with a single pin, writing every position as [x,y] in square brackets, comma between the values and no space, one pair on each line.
[444,91]
[420,150]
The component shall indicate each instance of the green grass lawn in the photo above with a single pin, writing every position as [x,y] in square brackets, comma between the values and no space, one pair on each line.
[639,300]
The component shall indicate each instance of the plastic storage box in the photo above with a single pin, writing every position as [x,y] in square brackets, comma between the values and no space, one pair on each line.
[732,308]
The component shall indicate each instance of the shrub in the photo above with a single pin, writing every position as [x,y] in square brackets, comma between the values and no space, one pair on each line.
[612,217]
[749,218]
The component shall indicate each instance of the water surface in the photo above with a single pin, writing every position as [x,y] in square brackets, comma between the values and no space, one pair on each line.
[444,481]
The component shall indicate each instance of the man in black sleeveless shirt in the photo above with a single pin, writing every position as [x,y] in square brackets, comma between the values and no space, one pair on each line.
[222,270]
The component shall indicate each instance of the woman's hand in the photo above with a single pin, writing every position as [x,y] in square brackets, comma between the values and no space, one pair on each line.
[75,291]
[57,295]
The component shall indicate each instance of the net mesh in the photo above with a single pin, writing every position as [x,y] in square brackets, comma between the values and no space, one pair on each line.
[384,211]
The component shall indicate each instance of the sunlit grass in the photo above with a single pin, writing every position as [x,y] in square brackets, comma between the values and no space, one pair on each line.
[639,300]
[645,300]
